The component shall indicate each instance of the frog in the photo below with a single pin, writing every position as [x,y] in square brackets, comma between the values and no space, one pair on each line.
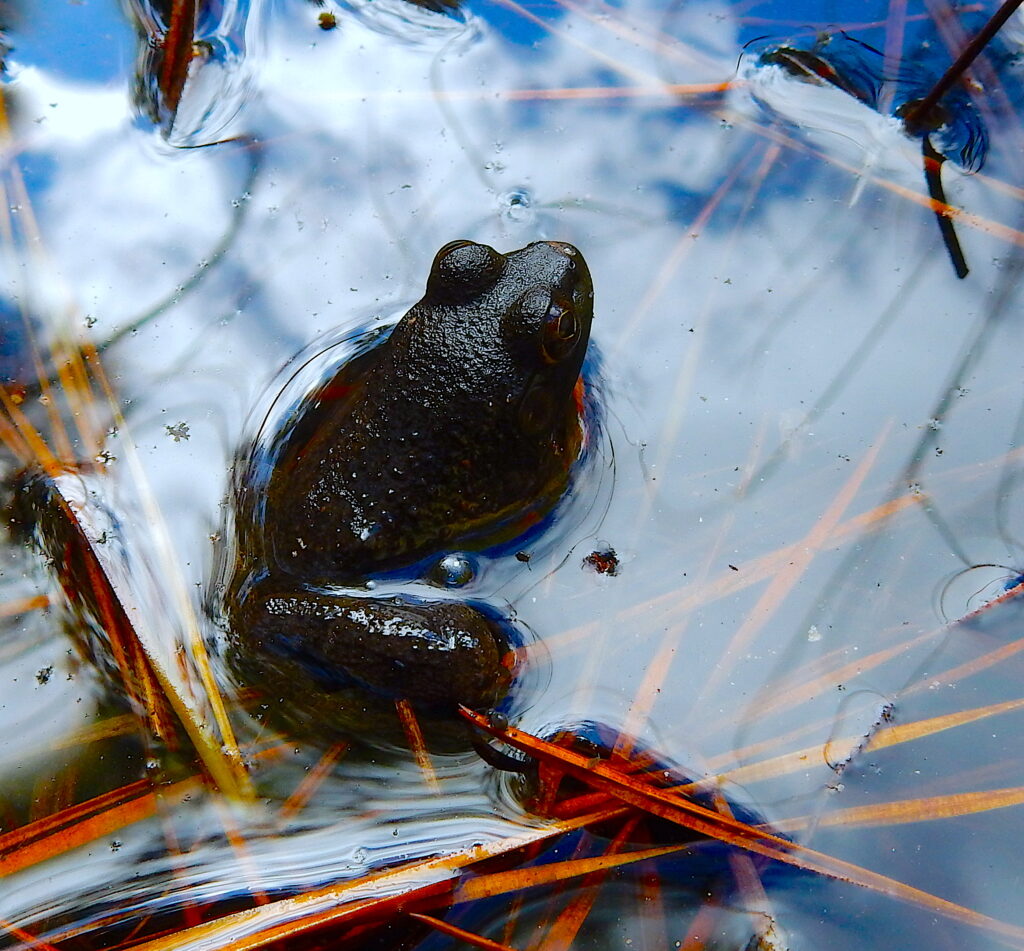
[455,433]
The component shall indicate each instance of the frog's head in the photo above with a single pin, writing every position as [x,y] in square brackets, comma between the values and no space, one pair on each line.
[522,319]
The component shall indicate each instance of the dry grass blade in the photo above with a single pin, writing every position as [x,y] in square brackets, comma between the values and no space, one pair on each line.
[141,631]
[120,725]
[926,809]
[787,695]
[668,805]
[24,606]
[418,745]
[797,760]
[30,940]
[971,667]
[24,439]
[74,544]
[662,91]
[14,442]
[968,55]
[298,800]
[680,601]
[96,579]
[73,814]
[177,50]
[563,931]
[749,886]
[673,261]
[806,550]
[673,92]
[347,901]
[704,924]
[460,934]
[515,880]
[191,687]
[986,225]
[84,823]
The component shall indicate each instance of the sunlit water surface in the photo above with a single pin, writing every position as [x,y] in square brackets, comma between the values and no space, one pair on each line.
[780,346]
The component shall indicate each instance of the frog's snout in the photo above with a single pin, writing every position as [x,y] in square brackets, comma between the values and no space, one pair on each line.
[569,250]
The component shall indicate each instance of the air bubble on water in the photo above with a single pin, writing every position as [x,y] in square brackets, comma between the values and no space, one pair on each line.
[518,205]
[454,570]
[499,721]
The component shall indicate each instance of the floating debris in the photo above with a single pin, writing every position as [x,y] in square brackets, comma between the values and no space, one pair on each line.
[603,560]
[178,431]
[948,125]
[191,70]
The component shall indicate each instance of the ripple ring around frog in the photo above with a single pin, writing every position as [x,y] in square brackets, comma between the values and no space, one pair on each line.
[457,432]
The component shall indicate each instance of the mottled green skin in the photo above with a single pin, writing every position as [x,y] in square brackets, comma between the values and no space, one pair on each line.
[453,434]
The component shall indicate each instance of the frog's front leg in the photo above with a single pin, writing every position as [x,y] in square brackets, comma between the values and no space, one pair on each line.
[435,654]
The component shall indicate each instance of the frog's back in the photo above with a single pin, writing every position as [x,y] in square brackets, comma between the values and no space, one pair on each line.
[458,430]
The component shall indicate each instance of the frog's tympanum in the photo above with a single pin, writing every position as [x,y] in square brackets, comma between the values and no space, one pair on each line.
[457,433]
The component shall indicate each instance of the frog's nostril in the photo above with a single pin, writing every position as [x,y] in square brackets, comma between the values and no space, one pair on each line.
[567,249]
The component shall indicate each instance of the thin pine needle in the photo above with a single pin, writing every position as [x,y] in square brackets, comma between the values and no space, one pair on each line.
[33,844]
[563,931]
[693,816]
[24,605]
[289,917]
[305,791]
[804,552]
[460,934]
[418,745]
[901,812]
[30,940]
[514,880]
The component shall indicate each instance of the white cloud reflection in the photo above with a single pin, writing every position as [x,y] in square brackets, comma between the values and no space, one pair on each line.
[761,320]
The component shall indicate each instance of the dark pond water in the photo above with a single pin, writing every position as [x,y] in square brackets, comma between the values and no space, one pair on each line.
[806,457]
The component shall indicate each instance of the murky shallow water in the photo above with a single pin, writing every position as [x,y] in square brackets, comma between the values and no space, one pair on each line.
[780,347]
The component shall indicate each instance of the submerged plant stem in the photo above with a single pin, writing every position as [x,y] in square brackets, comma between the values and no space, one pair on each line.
[963,61]
[933,178]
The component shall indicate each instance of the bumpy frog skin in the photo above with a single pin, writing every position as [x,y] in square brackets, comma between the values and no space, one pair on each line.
[456,433]
[465,419]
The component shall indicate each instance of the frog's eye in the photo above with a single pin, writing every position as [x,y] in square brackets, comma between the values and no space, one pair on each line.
[463,268]
[546,322]
[560,332]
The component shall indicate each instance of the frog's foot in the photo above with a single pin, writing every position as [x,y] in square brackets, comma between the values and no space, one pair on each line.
[435,654]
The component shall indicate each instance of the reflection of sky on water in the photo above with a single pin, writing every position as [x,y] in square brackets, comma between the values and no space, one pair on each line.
[766,317]
[80,42]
